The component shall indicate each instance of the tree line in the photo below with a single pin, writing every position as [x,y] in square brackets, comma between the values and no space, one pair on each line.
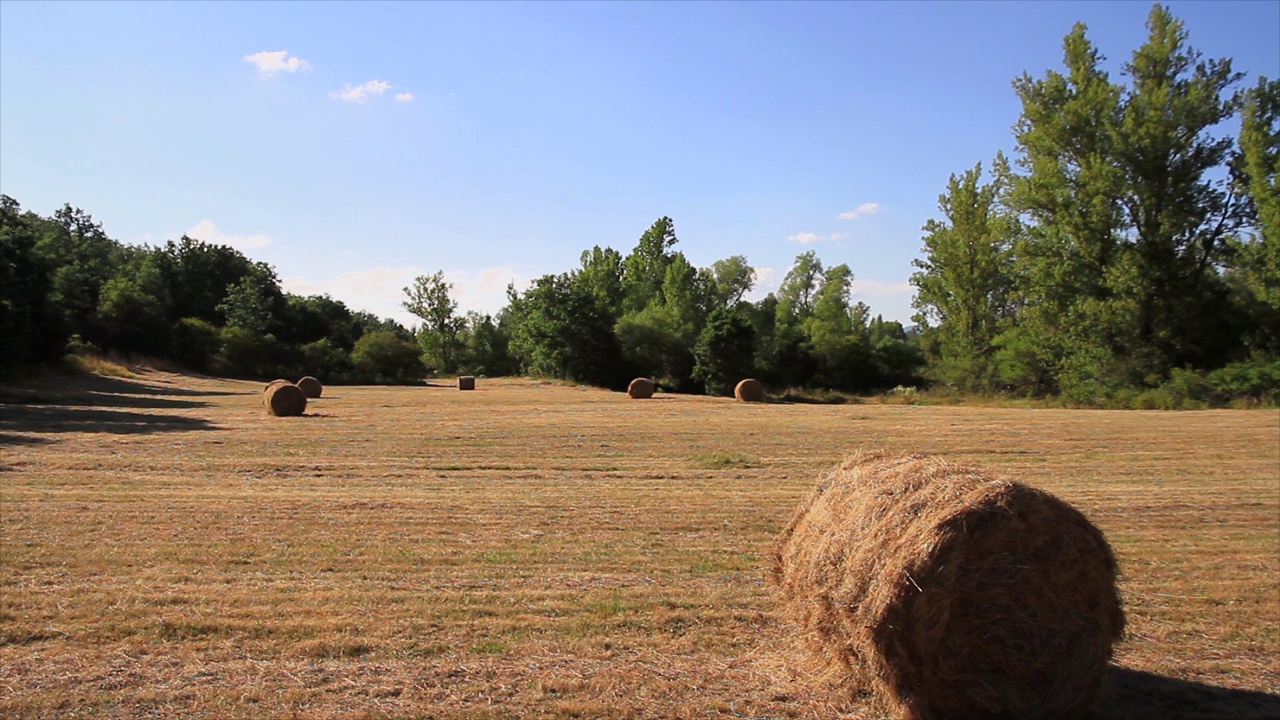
[1130,251]
[652,313]
[65,286]
[68,287]
[1127,255]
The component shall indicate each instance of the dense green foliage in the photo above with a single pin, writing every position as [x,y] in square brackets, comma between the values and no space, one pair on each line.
[1115,263]
[66,286]
[653,313]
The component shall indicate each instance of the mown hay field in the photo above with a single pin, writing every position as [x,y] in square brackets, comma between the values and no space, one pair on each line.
[531,549]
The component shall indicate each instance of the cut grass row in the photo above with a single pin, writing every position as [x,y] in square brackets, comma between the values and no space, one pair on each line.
[535,550]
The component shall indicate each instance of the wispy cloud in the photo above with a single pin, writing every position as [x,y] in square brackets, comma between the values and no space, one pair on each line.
[270,62]
[808,238]
[360,93]
[404,97]
[205,230]
[860,211]
[767,280]
[882,289]
[381,290]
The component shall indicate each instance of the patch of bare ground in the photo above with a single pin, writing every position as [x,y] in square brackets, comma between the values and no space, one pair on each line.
[532,549]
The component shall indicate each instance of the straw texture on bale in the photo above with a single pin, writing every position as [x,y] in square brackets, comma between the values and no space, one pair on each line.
[266,391]
[947,593]
[466,382]
[284,400]
[640,388]
[310,387]
[749,390]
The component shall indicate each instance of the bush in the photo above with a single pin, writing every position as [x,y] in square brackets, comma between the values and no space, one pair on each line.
[246,353]
[195,343]
[385,358]
[1257,380]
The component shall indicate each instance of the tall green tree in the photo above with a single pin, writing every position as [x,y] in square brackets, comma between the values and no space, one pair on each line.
[645,269]
[558,330]
[199,276]
[487,349]
[82,259]
[319,317]
[837,333]
[783,354]
[1117,279]
[658,340]
[600,275]
[30,325]
[962,282]
[254,302]
[429,298]
[1257,173]
[795,294]
[733,279]
[724,352]
[133,308]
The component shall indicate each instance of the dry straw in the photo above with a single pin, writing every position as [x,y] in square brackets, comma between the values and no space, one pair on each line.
[749,390]
[948,593]
[466,382]
[310,387]
[640,388]
[266,391]
[284,399]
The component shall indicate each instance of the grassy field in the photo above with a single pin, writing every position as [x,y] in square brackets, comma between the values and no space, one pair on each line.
[531,549]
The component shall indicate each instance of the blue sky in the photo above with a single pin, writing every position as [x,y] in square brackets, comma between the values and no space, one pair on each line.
[355,146]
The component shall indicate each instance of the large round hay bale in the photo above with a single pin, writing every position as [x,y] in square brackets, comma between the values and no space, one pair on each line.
[267,389]
[284,400]
[310,387]
[749,390]
[466,382]
[948,593]
[640,388]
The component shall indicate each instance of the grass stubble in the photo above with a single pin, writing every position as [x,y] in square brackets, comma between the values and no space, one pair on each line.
[533,549]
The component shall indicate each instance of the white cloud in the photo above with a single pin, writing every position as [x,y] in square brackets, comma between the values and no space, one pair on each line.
[205,230]
[882,289]
[360,93]
[381,290]
[404,97]
[767,280]
[270,62]
[808,238]
[863,209]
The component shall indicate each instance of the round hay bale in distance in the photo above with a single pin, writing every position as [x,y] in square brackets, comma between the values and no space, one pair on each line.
[466,382]
[640,388]
[310,387]
[285,400]
[948,593]
[749,390]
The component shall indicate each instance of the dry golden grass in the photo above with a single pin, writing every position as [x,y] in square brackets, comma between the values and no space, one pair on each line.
[536,550]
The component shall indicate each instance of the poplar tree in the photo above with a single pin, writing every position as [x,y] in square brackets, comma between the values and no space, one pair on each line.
[962,284]
[1117,281]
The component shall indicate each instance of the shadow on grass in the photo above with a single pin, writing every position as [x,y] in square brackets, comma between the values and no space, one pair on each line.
[7,440]
[58,419]
[94,403]
[1136,695]
[102,391]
